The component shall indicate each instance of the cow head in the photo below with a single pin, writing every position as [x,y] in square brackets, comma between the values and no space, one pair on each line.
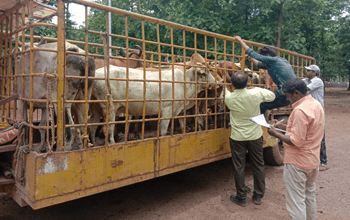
[135,54]
[27,45]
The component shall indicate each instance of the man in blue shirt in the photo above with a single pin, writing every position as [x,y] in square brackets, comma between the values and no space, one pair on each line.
[279,70]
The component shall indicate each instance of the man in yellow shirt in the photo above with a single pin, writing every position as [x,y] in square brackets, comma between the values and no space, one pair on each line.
[246,135]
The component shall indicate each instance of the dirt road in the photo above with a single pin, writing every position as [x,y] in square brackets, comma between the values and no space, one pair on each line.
[203,192]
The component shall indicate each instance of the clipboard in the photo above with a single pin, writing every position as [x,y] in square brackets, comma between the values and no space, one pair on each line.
[260,120]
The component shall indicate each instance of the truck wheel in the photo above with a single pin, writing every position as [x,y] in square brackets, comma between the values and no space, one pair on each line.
[274,155]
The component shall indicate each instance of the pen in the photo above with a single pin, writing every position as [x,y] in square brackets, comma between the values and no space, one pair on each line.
[279,122]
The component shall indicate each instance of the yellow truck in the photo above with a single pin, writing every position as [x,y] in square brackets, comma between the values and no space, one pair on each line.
[59,174]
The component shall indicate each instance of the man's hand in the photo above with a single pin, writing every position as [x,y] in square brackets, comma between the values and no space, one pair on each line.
[238,39]
[250,87]
[273,132]
[285,138]
[282,125]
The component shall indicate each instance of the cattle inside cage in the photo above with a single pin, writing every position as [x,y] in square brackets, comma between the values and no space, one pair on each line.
[141,114]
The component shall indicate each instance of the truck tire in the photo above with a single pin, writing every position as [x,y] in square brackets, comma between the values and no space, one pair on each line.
[274,155]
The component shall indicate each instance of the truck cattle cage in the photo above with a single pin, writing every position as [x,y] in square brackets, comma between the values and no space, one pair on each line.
[89,120]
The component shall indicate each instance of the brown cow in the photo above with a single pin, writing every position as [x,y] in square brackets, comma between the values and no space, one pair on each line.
[122,62]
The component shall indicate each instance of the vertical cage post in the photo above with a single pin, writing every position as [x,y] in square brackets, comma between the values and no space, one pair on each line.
[160,85]
[31,71]
[144,80]
[2,68]
[86,83]
[173,78]
[126,134]
[61,70]
[185,82]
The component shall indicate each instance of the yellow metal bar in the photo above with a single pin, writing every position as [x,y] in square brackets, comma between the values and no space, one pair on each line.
[16,66]
[61,70]
[206,93]
[298,68]
[31,55]
[22,66]
[107,78]
[9,69]
[196,89]
[302,67]
[7,60]
[86,87]
[293,60]
[185,81]
[242,59]
[160,86]
[173,79]
[2,72]
[144,82]
[126,134]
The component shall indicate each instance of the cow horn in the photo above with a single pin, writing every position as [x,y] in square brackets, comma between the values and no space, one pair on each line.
[124,51]
[42,41]
[140,52]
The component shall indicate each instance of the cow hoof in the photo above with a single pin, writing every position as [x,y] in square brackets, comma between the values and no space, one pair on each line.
[37,149]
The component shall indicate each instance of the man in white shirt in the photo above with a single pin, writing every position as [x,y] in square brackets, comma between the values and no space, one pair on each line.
[315,87]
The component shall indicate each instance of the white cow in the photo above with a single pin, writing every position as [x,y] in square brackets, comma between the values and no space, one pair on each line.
[45,61]
[118,91]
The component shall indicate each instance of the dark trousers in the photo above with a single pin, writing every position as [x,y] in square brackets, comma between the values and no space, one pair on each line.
[280,100]
[255,150]
[323,154]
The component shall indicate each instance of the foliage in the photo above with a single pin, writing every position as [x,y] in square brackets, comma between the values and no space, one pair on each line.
[312,27]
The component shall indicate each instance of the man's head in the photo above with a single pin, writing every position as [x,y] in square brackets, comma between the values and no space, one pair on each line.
[268,51]
[312,71]
[239,80]
[294,89]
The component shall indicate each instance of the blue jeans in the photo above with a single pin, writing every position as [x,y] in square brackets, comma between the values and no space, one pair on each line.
[323,154]
[280,100]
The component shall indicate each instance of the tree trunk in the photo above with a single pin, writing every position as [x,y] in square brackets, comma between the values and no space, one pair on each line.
[349,79]
[278,44]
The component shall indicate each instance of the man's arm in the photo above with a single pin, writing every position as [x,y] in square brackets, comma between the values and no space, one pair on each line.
[239,40]
[315,84]
[285,138]
[268,80]
[252,53]
[267,95]
[297,132]
[255,62]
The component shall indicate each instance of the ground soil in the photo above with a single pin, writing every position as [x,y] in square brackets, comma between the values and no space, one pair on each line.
[203,192]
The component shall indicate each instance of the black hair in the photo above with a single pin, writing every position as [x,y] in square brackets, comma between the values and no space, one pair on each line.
[295,84]
[268,51]
[239,80]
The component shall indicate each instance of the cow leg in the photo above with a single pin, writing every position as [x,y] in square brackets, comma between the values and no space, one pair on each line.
[127,126]
[111,127]
[136,128]
[74,133]
[94,118]
[181,120]
[164,124]
[79,111]
[43,121]
[201,122]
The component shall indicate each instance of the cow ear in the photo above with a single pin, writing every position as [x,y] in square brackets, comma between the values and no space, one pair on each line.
[202,71]
[220,89]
